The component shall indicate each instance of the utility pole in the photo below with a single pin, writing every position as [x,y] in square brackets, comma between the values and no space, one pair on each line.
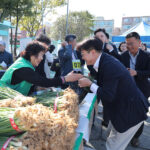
[67,17]
[42,17]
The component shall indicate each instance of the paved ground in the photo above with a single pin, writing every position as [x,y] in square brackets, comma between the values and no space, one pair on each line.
[97,138]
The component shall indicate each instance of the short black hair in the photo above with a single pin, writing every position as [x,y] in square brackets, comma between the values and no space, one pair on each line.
[33,49]
[107,35]
[100,30]
[92,44]
[145,45]
[51,48]
[70,37]
[119,48]
[133,34]
[44,39]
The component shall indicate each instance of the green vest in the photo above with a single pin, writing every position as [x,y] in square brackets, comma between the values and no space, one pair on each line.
[22,87]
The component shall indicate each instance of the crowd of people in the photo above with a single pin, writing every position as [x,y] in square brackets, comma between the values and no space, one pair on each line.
[121,76]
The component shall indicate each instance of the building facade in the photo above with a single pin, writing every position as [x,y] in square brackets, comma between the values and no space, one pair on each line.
[100,22]
[116,31]
[128,22]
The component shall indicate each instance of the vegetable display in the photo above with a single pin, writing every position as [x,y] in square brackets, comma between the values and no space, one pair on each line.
[48,123]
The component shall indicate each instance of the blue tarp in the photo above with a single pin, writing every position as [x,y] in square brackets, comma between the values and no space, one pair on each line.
[142,28]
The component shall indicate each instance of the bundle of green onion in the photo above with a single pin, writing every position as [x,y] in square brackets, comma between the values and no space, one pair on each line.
[47,99]
[12,142]
[12,98]
[7,126]
[45,128]
[6,92]
[3,139]
[30,118]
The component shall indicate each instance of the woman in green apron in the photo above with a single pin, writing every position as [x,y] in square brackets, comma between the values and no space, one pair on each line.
[21,75]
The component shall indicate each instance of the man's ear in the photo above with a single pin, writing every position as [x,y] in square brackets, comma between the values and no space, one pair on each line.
[140,43]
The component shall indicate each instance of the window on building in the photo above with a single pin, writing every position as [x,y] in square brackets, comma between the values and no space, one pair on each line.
[136,20]
[106,23]
[144,19]
[109,23]
[126,27]
[102,24]
[109,30]
[148,19]
[126,20]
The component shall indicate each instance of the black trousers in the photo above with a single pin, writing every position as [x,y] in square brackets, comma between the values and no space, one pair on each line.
[105,120]
[139,132]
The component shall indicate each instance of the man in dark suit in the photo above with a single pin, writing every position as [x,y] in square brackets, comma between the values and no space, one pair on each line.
[138,64]
[107,47]
[110,49]
[124,103]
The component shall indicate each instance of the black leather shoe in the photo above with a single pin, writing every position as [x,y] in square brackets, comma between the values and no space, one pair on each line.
[135,142]
[104,124]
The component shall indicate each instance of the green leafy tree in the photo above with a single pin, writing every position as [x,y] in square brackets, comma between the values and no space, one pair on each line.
[79,23]
[22,8]
[15,9]
[6,7]
[33,23]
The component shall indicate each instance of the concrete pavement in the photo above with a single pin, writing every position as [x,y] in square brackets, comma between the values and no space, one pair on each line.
[98,135]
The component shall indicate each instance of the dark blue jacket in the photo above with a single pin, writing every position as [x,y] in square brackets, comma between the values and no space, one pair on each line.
[112,53]
[65,58]
[6,57]
[124,103]
[143,70]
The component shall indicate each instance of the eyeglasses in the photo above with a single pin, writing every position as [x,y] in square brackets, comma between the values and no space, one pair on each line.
[131,44]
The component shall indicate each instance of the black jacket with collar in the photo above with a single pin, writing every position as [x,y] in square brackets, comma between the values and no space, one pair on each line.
[113,53]
[124,103]
[142,68]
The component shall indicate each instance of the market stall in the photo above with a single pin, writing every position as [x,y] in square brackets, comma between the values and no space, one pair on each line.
[31,123]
